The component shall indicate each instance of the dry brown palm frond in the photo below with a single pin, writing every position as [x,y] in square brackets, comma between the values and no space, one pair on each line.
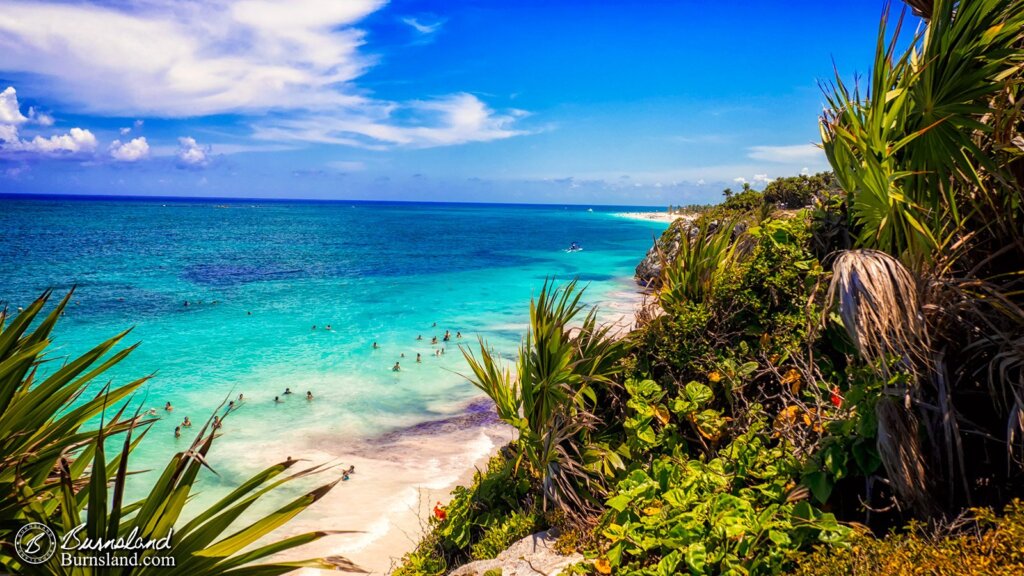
[878,304]
[922,8]
[900,451]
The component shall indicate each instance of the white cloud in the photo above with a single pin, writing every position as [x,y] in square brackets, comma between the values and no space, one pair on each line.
[454,119]
[131,151]
[348,165]
[138,124]
[191,153]
[125,131]
[9,112]
[74,141]
[40,118]
[762,179]
[291,63]
[805,171]
[798,153]
[422,28]
[740,180]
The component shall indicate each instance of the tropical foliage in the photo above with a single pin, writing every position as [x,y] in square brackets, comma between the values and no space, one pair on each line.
[54,467]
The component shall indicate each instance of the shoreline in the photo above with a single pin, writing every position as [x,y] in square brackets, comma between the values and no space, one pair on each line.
[401,474]
[663,217]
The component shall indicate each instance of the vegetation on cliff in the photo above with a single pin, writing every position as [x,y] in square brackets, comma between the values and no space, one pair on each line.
[804,377]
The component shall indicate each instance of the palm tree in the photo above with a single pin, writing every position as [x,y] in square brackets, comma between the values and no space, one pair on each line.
[929,155]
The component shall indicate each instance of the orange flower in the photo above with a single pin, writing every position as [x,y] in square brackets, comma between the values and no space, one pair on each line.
[603,565]
[715,377]
[439,512]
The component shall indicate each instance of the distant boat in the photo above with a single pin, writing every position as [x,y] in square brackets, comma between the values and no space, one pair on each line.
[590,209]
[574,247]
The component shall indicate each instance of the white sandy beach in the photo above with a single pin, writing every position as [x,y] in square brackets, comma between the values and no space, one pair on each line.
[400,476]
[655,216]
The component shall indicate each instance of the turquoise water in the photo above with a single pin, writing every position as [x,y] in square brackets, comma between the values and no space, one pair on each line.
[259,276]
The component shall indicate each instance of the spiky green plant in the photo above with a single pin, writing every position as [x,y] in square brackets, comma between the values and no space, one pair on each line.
[703,253]
[549,399]
[54,469]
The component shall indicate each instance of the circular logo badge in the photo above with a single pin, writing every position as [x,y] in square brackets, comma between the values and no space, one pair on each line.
[35,543]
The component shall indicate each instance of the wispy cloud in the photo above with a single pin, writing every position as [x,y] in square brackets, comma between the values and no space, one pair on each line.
[422,27]
[454,119]
[798,153]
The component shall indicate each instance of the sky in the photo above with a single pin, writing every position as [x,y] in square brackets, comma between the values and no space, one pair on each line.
[601,102]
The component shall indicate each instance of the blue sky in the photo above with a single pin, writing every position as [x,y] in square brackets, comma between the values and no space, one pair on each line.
[575,102]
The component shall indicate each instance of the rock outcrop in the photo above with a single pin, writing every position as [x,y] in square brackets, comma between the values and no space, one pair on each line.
[665,248]
[534,555]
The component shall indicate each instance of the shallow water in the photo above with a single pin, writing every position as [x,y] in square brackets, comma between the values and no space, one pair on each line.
[259,276]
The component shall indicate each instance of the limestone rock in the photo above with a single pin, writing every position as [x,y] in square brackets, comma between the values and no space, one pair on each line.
[534,555]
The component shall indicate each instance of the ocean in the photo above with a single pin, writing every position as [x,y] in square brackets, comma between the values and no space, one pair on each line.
[257,277]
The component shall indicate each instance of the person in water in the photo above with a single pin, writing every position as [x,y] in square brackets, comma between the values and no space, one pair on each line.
[447,335]
[433,340]
[151,412]
[328,327]
[396,368]
[314,326]
[418,359]
[168,407]
[458,334]
[287,390]
[419,337]
[277,399]
[186,422]
[241,398]
[375,346]
[309,395]
[437,352]
[177,431]
[216,422]
[434,325]
[403,355]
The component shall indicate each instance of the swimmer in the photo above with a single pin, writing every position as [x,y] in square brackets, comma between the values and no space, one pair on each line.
[442,351]
[186,422]
[418,359]
[216,422]
[403,355]
[419,337]
[277,399]
[396,368]
[437,352]
[458,334]
[168,407]
[186,303]
[375,346]
[328,327]
[314,326]
[151,412]
[231,406]
[434,325]
[241,397]
[177,431]
[309,395]
[248,313]
[287,390]
[433,340]
[447,335]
